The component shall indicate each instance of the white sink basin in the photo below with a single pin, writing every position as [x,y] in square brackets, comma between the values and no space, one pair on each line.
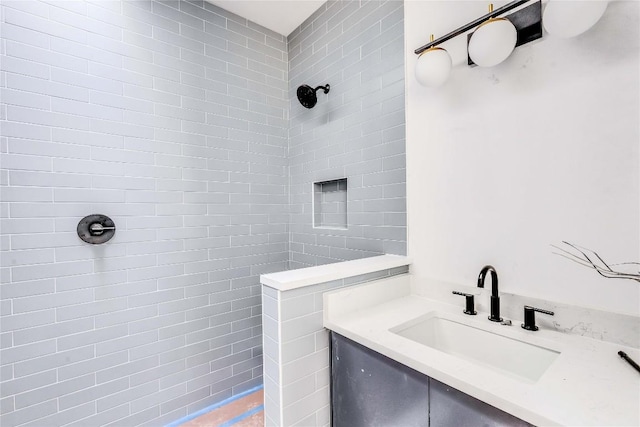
[518,359]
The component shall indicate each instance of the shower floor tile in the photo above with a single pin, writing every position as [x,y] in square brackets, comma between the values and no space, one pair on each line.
[236,413]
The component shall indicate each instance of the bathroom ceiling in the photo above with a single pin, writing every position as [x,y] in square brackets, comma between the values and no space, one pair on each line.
[281,16]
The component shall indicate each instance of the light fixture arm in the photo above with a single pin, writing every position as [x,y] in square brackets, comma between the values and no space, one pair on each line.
[499,11]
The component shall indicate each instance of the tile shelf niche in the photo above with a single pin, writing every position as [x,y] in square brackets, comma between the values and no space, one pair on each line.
[330,204]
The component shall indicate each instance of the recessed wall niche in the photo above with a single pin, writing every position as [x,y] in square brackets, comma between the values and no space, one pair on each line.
[330,204]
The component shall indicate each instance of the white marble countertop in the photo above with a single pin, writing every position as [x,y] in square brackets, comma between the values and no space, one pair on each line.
[587,384]
[292,279]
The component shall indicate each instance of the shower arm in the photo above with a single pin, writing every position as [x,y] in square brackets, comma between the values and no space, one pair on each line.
[324,88]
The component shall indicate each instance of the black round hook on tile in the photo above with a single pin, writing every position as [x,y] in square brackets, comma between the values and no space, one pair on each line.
[96,229]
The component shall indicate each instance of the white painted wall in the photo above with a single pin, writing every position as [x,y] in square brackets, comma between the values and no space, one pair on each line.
[503,162]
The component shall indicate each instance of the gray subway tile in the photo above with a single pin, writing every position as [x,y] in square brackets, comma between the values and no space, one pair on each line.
[7,405]
[24,35]
[25,336]
[205,358]
[31,413]
[90,280]
[57,360]
[39,55]
[101,12]
[91,309]
[155,373]
[126,396]
[92,393]
[32,319]
[126,369]
[176,16]
[137,418]
[124,316]
[90,365]
[66,416]
[24,384]
[92,337]
[130,10]
[188,374]
[229,382]
[27,351]
[129,342]
[104,417]
[155,347]
[61,388]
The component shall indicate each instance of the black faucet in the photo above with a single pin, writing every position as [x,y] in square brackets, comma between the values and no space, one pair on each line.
[495,299]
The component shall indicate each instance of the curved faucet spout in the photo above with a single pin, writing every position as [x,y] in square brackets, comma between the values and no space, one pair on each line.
[495,298]
[494,279]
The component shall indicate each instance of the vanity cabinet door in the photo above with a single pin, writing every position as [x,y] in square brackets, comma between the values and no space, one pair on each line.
[369,389]
[451,407]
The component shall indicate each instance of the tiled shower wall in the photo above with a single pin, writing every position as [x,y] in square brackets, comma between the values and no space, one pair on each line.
[356,131]
[170,117]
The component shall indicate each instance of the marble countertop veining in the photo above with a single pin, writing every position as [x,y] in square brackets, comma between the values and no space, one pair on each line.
[587,384]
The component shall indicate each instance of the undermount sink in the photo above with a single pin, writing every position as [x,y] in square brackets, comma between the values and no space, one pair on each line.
[524,361]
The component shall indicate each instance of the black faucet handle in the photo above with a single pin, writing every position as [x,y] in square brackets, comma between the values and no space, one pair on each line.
[469,304]
[530,317]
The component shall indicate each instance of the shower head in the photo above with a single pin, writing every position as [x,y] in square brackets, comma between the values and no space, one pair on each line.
[307,95]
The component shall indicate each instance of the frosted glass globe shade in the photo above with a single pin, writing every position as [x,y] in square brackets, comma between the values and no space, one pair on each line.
[565,19]
[492,42]
[433,67]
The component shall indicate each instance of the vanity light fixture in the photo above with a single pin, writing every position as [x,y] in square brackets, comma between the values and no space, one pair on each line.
[433,66]
[494,37]
[527,22]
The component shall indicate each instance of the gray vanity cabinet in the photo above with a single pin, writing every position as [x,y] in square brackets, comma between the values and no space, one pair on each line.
[369,389]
